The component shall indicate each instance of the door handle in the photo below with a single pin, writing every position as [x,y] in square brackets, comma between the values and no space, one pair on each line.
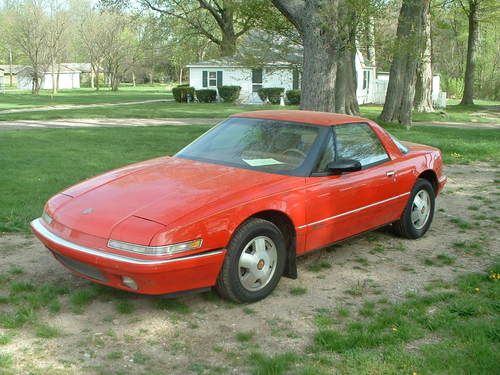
[390,173]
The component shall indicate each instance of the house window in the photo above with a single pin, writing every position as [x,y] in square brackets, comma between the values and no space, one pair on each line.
[212,78]
[366,79]
[256,79]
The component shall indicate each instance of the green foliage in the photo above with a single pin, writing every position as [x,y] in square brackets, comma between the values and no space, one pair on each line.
[206,95]
[182,93]
[229,94]
[293,97]
[273,94]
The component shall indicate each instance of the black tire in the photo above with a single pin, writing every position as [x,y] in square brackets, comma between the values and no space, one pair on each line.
[228,284]
[405,227]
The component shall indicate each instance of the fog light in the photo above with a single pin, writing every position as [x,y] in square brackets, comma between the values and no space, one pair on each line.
[129,282]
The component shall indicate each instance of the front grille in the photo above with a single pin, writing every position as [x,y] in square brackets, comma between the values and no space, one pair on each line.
[80,267]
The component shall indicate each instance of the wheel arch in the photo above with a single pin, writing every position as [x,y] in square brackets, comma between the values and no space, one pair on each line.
[430,176]
[287,228]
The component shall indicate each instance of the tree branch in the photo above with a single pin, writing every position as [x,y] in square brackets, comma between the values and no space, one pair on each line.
[291,9]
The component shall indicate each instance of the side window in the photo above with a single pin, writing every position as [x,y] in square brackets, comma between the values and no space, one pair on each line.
[359,142]
[327,157]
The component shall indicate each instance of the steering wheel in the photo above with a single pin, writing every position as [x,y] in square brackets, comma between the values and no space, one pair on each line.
[295,150]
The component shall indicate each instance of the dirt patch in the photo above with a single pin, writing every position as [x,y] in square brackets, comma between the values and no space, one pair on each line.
[199,333]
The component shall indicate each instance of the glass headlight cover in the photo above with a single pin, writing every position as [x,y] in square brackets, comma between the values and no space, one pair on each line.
[156,250]
[46,218]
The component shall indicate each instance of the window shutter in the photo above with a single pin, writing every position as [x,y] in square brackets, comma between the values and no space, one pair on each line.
[295,84]
[205,78]
[219,78]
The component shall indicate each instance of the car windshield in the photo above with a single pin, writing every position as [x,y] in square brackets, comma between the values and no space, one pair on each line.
[267,145]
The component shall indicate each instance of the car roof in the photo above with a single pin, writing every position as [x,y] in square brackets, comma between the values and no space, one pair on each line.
[305,117]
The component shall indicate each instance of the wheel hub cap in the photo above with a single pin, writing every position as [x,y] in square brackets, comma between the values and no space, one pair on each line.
[421,209]
[257,263]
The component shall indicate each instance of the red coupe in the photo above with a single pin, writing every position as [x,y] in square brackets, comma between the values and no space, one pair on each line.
[234,209]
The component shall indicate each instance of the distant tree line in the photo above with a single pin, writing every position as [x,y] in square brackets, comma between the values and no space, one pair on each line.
[153,40]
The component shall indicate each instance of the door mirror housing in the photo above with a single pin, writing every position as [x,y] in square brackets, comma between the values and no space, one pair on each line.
[340,166]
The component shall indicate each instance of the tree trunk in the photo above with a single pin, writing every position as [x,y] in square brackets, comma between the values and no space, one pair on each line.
[423,88]
[409,44]
[228,43]
[180,76]
[351,97]
[53,74]
[470,67]
[370,41]
[133,79]
[92,77]
[10,68]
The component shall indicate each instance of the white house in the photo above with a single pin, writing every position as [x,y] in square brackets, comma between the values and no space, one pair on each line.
[372,86]
[2,86]
[66,78]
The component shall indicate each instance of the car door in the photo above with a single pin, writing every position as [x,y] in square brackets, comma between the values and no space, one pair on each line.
[339,206]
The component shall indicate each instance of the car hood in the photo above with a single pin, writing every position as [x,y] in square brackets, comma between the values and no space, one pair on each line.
[162,191]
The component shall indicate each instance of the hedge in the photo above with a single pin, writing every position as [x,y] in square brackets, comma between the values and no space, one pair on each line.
[229,93]
[206,95]
[273,94]
[293,96]
[181,92]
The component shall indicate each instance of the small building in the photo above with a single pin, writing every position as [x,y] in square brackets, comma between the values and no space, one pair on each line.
[214,73]
[2,86]
[10,73]
[66,78]
[371,85]
[382,81]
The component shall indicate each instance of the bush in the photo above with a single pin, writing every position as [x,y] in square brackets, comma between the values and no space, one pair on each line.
[271,93]
[229,93]
[293,96]
[206,95]
[181,93]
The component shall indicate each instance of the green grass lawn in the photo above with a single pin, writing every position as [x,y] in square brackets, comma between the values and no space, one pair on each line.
[480,113]
[24,99]
[37,163]
[452,328]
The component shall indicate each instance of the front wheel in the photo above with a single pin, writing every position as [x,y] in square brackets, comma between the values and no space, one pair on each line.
[254,262]
[419,212]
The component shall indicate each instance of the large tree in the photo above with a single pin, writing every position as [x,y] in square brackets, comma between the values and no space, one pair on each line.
[315,20]
[423,88]
[30,32]
[407,51]
[222,22]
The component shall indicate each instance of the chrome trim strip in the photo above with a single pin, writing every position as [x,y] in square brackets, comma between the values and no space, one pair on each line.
[353,211]
[38,227]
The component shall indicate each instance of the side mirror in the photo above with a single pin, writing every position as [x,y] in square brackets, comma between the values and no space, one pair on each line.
[344,165]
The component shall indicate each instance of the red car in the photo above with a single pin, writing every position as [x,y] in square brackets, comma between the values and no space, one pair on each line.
[234,209]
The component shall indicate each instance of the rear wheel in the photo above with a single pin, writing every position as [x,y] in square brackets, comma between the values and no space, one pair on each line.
[419,212]
[254,262]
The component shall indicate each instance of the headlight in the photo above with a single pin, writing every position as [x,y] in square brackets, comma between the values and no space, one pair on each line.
[156,250]
[46,217]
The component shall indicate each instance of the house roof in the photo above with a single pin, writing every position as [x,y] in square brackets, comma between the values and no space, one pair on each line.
[231,63]
[305,117]
[60,68]
[15,68]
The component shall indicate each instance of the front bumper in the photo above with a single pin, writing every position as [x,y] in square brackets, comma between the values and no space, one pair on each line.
[152,276]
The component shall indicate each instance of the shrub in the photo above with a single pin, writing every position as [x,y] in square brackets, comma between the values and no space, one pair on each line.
[206,95]
[293,96]
[271,93]
[181,92]
[229,93]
